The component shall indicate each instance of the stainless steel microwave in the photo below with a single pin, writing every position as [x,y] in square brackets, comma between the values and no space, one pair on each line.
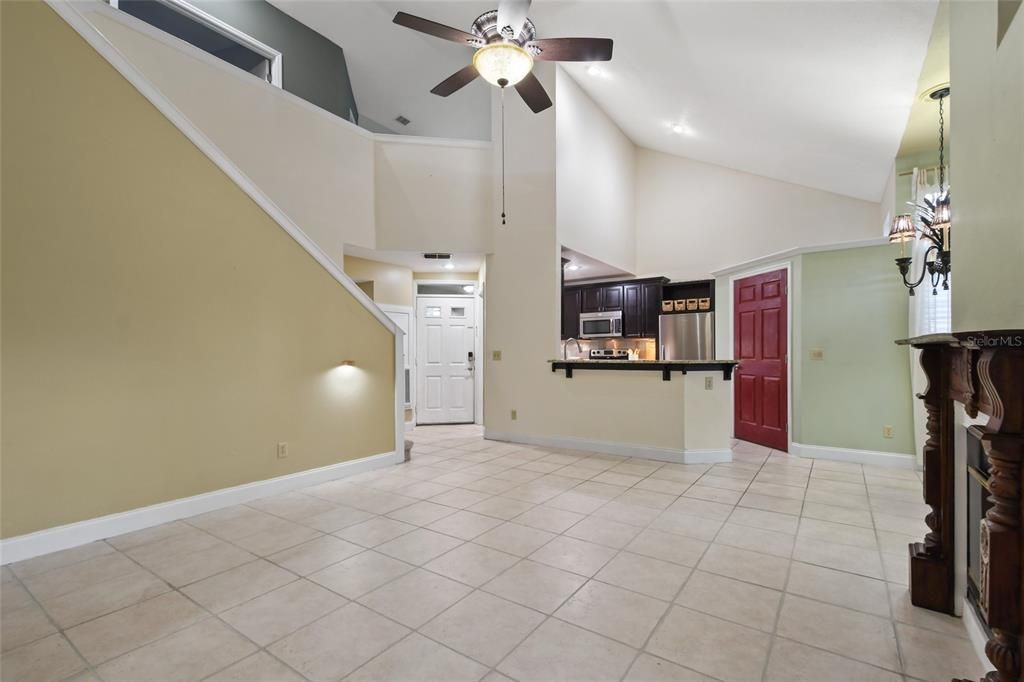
[598,325]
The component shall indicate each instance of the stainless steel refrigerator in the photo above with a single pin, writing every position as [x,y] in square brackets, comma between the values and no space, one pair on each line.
[687,336]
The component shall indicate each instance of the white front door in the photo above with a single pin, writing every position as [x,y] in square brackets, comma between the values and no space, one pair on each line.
[445,336]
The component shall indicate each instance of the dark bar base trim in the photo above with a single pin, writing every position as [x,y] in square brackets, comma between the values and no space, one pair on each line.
[666,368]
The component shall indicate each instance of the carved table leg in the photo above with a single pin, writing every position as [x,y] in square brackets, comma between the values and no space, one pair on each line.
[999,395]
[931,561]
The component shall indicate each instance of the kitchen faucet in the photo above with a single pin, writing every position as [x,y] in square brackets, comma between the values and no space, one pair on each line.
[565,347]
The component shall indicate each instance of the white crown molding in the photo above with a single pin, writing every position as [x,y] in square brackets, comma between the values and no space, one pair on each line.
[871,457]
[30,545]
[622,449]
[788,254]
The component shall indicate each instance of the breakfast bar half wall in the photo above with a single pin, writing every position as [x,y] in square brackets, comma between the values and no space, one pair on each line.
[632,411]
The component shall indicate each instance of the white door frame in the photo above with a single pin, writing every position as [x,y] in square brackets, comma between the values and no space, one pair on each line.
[478,343]
[411,356]
[791,355]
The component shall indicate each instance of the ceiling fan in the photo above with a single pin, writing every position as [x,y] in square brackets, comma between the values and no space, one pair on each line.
[506,46]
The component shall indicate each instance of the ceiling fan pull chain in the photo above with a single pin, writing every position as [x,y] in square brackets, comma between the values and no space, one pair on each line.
[503,156]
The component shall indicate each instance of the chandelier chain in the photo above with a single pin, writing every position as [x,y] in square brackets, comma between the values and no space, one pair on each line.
[942,146]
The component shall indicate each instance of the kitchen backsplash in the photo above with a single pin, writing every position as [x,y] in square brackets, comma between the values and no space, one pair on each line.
[645,347]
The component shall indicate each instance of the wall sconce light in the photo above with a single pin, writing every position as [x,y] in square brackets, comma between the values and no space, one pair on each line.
[347,363]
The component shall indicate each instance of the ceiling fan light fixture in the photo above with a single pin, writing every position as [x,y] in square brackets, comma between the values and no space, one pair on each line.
[502,64]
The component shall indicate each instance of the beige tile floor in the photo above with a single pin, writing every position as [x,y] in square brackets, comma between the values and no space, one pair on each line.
[485,560]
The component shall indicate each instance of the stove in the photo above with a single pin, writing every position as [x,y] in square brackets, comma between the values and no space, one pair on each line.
[609,354]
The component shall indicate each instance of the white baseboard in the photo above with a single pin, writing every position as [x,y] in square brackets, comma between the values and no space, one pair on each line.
[609,448]
[54,539]
[872,457]
[977,634]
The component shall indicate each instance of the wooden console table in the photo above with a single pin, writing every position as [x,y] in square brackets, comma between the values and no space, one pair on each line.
[985,372]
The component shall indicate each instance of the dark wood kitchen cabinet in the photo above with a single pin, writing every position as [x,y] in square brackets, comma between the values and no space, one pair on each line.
[571,299]
[641,305]
[600,298]
[651,307]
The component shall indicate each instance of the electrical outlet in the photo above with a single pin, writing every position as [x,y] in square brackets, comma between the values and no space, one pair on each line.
[708,382]
[282,450]
[495,355]
[515,415]
[817,354]
[887,432]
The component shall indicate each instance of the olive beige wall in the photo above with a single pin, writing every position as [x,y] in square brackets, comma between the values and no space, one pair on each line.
[160,333]
[392,284]
[339,183]
[987,140]
[316,167]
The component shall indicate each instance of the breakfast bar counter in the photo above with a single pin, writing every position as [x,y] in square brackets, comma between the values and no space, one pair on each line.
[666,367]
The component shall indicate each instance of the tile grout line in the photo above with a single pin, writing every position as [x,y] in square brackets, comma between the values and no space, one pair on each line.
[586,516]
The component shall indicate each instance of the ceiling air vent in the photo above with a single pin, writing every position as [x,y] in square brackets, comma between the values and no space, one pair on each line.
[402,119]
[437,256]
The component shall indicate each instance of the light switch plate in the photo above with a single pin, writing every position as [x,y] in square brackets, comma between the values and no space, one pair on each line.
[817,354]
[495,355]
[708,383]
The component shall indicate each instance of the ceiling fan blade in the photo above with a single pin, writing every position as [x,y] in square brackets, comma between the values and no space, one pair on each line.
[457,80]
[571,49]
[512,14]
[533,93]
[438,30]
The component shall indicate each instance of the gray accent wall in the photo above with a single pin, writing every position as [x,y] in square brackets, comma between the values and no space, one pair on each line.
[313,67]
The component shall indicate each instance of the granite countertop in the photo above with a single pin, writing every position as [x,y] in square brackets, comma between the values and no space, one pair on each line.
[647,362]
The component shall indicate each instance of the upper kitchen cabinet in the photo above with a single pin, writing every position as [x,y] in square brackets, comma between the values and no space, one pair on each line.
[571,299]
[639,300]
[601,297]
[640,309]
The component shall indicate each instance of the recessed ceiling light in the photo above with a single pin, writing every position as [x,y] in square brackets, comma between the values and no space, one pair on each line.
[681,129]
[449,266]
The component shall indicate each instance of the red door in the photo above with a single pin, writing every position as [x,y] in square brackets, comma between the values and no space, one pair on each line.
[759,327]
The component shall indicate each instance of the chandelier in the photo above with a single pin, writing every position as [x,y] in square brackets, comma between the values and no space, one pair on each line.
[933,216]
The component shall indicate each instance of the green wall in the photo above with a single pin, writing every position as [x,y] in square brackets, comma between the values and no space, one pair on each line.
[853,308]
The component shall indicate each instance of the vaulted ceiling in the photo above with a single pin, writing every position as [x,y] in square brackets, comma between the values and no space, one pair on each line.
[815,93]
